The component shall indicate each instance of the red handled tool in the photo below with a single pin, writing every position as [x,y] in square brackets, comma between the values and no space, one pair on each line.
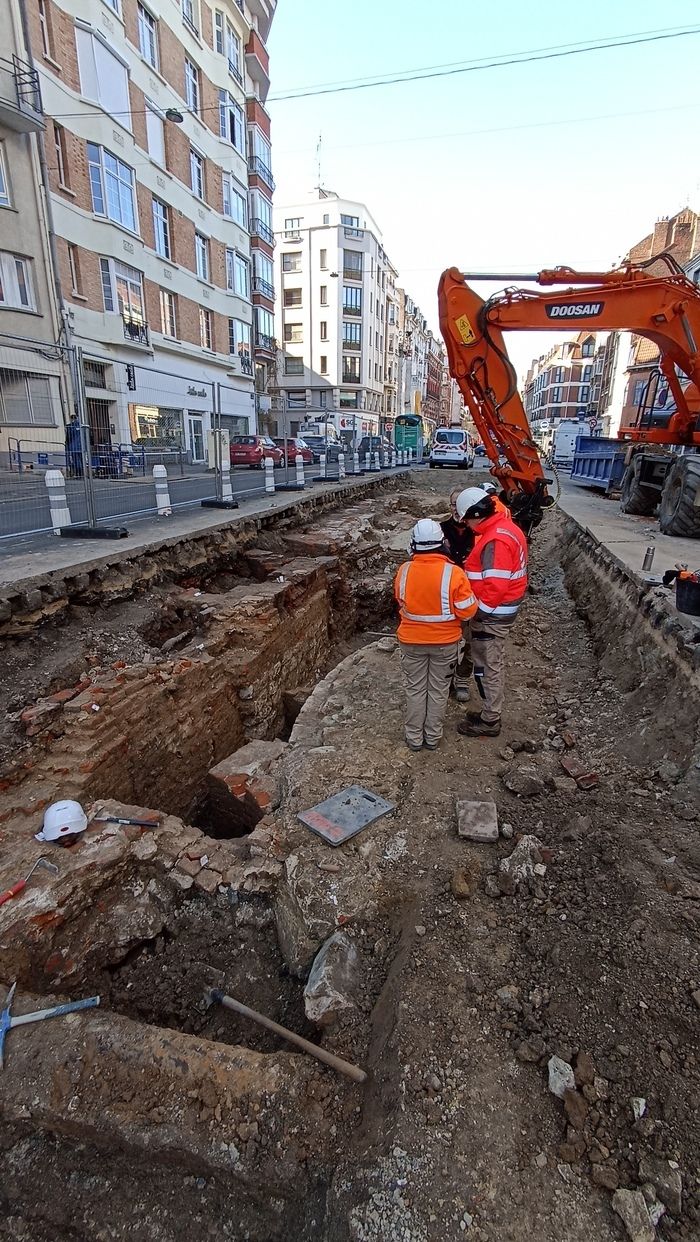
[22,884]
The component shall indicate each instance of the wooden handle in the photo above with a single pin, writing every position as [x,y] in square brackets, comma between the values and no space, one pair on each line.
[12,892]
[328,1058]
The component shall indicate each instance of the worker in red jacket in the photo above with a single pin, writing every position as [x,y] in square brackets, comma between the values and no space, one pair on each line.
[435,599]
[497,570]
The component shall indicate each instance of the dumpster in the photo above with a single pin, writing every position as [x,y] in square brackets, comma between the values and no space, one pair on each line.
[599,463]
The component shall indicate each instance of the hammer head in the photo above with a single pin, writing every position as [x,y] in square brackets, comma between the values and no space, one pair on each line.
[49,866]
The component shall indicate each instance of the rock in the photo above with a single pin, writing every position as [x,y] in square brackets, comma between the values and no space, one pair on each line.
[606,1175]
[639,1107]
[464,881]
[696,997]
[507,753]
[668,773]
[572,1151]
[477,821]
[525,744]
[386,644]
[507,831]
[530,1050]
[575,1107]
[666,1181]
[541,1160]
[580,826]
[584,1070]
[520,864]
[632,1209]
[561,1077]
[524,781]
[420,930]
[491,887]
[333,981]
[565,785]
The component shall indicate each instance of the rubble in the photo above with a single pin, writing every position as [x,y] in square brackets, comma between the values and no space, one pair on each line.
[524,781]
[631,1207]
[520,864]
[666,1180]
[560,1077]
[333,981]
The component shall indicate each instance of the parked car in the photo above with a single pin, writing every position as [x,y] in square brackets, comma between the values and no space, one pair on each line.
[252,450]
[319,445]
[452,447]
[480,451]
[295,446]
[373,444]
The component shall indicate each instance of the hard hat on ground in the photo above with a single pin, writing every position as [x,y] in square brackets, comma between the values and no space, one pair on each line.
[62,819]
[426,536]
[474,502]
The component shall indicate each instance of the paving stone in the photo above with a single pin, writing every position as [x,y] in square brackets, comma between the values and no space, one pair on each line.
[477,821]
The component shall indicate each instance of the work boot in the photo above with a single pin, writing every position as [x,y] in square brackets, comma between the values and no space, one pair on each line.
[431,745]
[479,727]
[413,745]
[473,717]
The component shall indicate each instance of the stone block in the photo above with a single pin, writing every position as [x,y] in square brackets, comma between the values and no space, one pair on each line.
[477,821]
[333,981]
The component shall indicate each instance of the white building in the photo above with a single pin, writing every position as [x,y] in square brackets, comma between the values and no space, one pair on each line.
[336,291]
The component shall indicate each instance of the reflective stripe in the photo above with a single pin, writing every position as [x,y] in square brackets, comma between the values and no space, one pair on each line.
[519,573]
[474,577]
[401,585]
[497,573]
[466,603]
[414,616]
[445,587]
[501,610]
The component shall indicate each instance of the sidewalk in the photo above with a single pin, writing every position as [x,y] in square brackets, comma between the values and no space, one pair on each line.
[37,555]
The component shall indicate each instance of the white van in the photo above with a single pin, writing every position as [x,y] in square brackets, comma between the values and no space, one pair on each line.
[566,434]
[452,447]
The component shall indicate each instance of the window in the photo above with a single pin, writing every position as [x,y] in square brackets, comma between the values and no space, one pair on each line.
[352,335]
[264,274]
[326,218]
[197,173]
[292,226]
[587,373]
[168,318]
[15,281]
[4,183]
[113,4]
[352,264]
[201,254]
[235,205]
[324,365]
[261,210]
[190,15]
[161,229]
[350,221]
[324,329]
[191,85]
[557,375]
[293,366]
[148,36]
[584,393]
[122,290]
[240,343]
[237,274]
[228,44]
[74,267]
[231,125]
[352,300]
[292,297]
[59,146]
[261,157]
[264,327]
[588,347]
[291,262]
[294,333]
[323,260]
[556,394]
[324,295]
[112,187]
[103,77]
[25,400]
[205,332]
[45,28]
[155,135]
[351,370]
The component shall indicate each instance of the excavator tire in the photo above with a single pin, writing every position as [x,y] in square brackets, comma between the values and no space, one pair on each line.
[679,514]
[634,496]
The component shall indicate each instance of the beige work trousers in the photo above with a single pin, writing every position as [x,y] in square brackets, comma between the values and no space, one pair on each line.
[488,653]
[427,671]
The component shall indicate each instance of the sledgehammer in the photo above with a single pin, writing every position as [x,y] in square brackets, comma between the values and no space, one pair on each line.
[213,995]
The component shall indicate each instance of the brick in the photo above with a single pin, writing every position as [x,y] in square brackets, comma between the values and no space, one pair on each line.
[208,880]
[64,696]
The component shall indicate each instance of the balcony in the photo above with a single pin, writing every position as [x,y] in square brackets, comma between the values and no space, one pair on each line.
[135,330]
[263,10]
[352,273]
[351,377]
[257,62]
[245,362]
[264,343]
[260,169]
[352,346]
[355,311]
[20,97]
[258,228]
[264,287]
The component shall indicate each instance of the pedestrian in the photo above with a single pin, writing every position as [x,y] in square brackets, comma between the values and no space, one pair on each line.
[460,541]
[74,448]
[434,598]
[497,570]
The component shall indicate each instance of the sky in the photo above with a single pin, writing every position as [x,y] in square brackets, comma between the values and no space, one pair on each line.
[567,161]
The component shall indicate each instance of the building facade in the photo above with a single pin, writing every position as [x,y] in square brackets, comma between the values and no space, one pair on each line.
[560,384]
[158,162]
[413,356]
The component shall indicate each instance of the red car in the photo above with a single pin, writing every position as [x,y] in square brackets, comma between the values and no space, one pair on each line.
[294,447]
[252,450]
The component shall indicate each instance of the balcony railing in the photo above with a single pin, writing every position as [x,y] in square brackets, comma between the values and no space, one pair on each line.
[258,166]
[262,341]
[292,235]
[20,97]
[235,72]
[188,19]
[259,228]
[351,377]
[353,346]
[352,273]
[245,362]
[135,330]
[349,232]
[352,310]
[264,287]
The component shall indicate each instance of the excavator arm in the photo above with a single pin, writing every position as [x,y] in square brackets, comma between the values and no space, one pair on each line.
[665,309]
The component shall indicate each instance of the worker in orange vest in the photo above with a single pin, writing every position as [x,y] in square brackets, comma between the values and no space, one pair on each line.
[435,599]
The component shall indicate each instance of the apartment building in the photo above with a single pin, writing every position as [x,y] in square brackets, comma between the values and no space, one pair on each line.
[337,290]
[413,355]
[158,154]
[559,383]
[436,366]
[34,382]
[391,353]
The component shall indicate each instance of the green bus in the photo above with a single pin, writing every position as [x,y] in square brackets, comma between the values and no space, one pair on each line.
[408,433]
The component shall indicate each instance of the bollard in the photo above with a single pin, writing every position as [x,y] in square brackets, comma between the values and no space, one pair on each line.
[368,461]
[341,465]
[376,465]
[56,486]
[226,490]
[160,478]
[299,466]
[410,457]
[269,476]
[393,459]
[356,463]
[382,459]
[322,460]
[402,457]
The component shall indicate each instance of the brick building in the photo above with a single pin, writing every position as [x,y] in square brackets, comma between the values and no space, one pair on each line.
[560,383]
[158,154]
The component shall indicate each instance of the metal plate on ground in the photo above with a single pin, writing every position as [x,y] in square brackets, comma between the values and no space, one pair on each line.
[345,814]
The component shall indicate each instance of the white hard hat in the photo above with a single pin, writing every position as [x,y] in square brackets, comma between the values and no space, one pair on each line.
[491,488]
[469,499]
[426,535]
[62,819]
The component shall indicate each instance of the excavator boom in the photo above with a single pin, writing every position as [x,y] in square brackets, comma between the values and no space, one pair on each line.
[665,309]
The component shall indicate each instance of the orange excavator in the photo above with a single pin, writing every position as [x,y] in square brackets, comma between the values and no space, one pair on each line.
[664,308]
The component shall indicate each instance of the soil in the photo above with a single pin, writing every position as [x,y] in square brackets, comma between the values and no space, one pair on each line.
[467,991]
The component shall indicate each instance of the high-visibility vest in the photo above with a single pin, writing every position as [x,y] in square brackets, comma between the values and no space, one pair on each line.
[435,599]
[497,568]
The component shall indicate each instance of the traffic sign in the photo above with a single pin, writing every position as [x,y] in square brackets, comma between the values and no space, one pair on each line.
[593,423]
